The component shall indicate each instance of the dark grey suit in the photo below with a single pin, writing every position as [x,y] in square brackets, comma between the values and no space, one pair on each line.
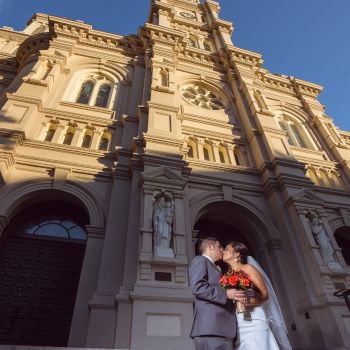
[214,313]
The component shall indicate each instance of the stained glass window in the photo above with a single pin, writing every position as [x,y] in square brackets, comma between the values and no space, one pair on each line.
[55,227]
[85,92]
[103,95]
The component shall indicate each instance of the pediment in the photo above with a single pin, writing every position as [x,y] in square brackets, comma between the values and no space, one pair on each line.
[307,196]
[164,175]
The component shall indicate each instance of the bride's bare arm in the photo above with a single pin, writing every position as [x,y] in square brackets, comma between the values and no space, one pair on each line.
[258,282]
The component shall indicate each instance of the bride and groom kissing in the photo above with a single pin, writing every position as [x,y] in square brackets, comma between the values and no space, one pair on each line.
[217,324]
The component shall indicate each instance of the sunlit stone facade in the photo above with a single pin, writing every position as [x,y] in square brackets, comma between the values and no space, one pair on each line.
[96,127]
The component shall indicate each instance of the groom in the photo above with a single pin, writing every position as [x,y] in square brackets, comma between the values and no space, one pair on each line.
[214,324]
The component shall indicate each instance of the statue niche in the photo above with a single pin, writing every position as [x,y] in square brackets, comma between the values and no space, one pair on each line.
[322,239]
[163,216]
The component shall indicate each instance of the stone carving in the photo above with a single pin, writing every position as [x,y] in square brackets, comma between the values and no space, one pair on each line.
[322,239]
[163,216]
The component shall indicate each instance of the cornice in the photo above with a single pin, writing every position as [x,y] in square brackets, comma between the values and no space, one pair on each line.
[162,140]
[163,35]
[8,63]
[31,47]
[106,111]
[201,58]
[209,121]
[79,151]
[213,135]
[163,107]
[306,88]
[245,57]
[12,35]
[185,4]
[275,82]
[287,84]
[84,34]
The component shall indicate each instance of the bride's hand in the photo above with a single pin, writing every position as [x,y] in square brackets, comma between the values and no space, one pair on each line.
[237,295]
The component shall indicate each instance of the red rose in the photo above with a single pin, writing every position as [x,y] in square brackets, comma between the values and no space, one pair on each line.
[233,280]
[246,282]
[223,280]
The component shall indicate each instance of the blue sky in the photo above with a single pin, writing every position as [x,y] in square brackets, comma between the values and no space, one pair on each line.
[308,39]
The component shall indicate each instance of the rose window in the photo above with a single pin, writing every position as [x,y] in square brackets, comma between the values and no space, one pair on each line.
[202,97]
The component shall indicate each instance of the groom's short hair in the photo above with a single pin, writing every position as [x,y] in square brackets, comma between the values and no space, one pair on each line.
[204,242]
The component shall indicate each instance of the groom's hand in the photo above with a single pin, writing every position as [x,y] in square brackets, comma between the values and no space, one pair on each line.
[235,294]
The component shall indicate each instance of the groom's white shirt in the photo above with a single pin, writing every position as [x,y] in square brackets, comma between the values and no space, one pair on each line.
[210,259]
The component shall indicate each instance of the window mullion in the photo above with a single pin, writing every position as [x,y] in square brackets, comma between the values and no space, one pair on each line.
[95,91]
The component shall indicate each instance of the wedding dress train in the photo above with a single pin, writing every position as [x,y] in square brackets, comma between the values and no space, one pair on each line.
[253,332]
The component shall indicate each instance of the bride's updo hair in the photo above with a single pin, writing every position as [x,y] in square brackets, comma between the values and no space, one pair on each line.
[240,248]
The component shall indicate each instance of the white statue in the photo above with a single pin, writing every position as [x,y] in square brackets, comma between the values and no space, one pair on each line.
[163,216]
[318,231]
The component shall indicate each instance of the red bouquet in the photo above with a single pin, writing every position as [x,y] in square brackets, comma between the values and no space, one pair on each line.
[238,280]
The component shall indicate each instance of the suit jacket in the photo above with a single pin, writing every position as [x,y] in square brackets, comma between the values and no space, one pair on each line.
[214,313]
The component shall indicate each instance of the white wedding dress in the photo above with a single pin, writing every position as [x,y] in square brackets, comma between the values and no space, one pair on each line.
[262,327]
[253,331]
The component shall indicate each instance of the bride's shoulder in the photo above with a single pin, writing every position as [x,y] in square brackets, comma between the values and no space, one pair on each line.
[250,269]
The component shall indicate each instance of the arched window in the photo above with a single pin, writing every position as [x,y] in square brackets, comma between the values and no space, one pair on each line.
[50,134]
[104,141]
[206,154]
[55,227]
[342,236]
[103,144]
[222,156]
[192,42]
[293,131]
[190,151]
[103,95]
[86,143]
[68,138]
[207,46]
[164,77]
[85,92]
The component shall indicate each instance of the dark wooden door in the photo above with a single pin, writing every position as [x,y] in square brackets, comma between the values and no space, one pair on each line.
[38,285]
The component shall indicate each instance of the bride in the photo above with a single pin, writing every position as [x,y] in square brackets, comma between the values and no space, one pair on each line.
[261,326]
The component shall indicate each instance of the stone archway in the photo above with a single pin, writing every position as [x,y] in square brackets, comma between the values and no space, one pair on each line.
[228,220]
[41,255]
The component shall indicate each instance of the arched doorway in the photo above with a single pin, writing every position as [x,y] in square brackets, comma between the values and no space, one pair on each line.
[342,236]
[41,254]
[227,222]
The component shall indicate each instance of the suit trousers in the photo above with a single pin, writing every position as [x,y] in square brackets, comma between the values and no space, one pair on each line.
[213,343]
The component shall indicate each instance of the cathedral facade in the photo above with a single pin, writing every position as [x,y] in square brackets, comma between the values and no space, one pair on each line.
[118,152]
